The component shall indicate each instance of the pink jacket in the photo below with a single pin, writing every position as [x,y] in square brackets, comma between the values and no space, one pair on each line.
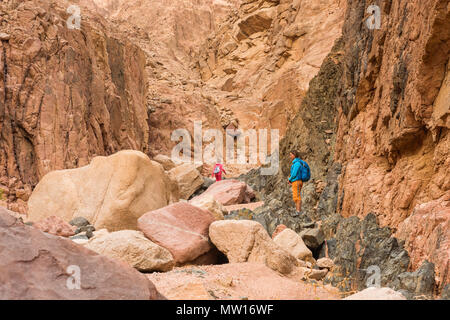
[218,175]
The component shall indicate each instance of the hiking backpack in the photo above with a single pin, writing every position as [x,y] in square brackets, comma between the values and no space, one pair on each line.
[216,169]
[305,173]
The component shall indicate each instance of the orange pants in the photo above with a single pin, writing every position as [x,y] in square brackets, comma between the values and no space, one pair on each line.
[296,189]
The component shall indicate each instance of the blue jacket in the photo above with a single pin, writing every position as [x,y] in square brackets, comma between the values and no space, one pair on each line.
[296,173]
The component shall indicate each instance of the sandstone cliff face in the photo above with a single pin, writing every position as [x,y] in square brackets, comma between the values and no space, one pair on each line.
[263,56]
[65,95]
[171,32]
[393,128]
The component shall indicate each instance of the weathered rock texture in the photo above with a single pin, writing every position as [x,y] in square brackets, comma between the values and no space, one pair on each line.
[264,55]
[56,226]
[427,235]
[133,248]
[237,281]
[211,205]
[228,192]
[65,95]
[290,241]
[111,192]
[35,265]
[188,178]
[181,228]
[247,241]
[393,125]
[171,32]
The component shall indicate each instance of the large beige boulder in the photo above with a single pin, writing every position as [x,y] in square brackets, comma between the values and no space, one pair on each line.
[248,241]
[290,241]
[134,248]
[188,178]
[211,205]
[111,192]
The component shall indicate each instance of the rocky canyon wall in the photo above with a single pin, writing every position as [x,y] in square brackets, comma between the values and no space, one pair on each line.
[65,95]
[378,146]
[260,61]
[393,124]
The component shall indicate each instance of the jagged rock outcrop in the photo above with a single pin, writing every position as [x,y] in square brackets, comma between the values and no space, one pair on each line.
[393,129]
[383,147]
[171,32]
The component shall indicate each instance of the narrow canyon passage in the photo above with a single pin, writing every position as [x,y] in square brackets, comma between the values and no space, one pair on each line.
[155,136]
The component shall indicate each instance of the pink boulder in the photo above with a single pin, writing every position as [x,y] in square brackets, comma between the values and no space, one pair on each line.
[40,266]
[56,226]
[229,192]
[181,228]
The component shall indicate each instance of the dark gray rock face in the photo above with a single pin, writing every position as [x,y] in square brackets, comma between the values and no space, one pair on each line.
[419,284]
[79,222]
[445,295]
[362,246]
[330,246]
[246,214]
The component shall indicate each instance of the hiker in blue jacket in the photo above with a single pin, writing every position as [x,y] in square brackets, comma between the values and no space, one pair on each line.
[295,180]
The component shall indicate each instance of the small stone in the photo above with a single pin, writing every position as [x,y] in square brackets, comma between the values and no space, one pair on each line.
[80,236]
[317,274]
[313,238]
[308,225]
[56,226]
[325,263]
[79,222]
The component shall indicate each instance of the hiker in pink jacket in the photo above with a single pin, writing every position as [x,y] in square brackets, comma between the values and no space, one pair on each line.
[217,171]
